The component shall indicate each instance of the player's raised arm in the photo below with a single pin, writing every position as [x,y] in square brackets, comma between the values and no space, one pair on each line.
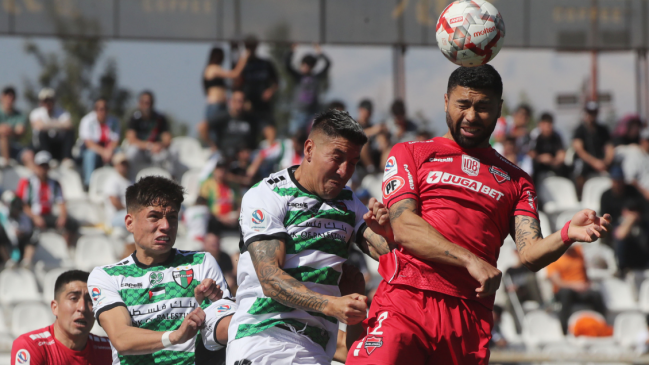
[423,241]
[377,238]
[537,252]
[268,258]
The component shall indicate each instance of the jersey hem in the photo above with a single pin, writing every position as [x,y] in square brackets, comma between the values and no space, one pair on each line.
[394,200]
[108,307]
[265,237]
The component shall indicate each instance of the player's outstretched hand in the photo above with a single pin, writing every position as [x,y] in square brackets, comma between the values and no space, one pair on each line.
[487,275]
[378,219]
[190,326]
[350,309]
[208,289]
[586,226]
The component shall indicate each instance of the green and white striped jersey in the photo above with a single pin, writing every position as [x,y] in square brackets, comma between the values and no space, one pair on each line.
[157,297]
[317,234]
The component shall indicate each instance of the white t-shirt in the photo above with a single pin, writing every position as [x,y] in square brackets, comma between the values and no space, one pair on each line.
[115,185]
[90,128]
[196,219]
[40,113]
[636,166]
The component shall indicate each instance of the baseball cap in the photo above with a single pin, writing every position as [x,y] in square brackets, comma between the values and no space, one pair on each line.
[43,158]
[118,158]
[592,106]
[46,93]
[644,134]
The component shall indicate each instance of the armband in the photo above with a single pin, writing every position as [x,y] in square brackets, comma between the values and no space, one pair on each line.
[564,235]
[213,315]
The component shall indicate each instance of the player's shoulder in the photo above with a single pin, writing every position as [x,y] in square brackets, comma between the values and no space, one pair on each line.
[124,262]
[273,183]
[35,339]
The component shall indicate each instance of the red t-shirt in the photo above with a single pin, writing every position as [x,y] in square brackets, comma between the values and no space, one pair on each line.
[467,195]
[104,138]
[41,347]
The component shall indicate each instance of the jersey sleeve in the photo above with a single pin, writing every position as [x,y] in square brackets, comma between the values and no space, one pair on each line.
[262,215]
[104,292]
[526,202]
[25,351]
[399,177]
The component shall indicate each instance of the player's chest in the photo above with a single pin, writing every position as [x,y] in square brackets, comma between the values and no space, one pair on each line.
[310,219]
[157,285]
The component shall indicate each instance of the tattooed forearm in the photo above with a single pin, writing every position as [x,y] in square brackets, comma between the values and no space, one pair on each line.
[279,285]
[449,254]
[398,208]
[375,245]
[526,230]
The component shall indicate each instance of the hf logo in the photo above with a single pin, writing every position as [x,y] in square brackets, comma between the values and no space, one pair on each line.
[470,165]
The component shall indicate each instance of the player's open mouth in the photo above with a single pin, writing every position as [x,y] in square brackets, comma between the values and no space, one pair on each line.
[81,322]
[162,239]
[470,131]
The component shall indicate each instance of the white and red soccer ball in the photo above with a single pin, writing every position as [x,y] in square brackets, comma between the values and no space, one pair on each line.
[470,32]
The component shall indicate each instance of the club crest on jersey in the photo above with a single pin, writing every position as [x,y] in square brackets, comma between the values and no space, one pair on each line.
[531,200]
[500,175]
[391,168]
[372,343]
[340,206]
[392,186]
[155,278]
[23,357]
[183,277]
[258,220]
[470,165]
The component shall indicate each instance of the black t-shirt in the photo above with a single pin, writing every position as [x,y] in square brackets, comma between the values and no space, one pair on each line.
[148,129]
[594,139]
[225,262]
[258,75]
[613,204]
[551,144]
[232,133]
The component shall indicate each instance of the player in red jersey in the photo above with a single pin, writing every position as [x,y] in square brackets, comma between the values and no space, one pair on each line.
[68,341]
[452,201]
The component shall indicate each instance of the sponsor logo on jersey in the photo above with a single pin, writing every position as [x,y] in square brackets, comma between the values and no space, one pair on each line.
[298,205]
[36,336]
[372,343]
[258,220]
[531,200]
[470,165]
[223,308]
[392,186]
[183,277]
[156,277]
[95,293]
[457,19]
[499,174]
[412,184]
[436,177]
[276,180]
[157,292]
[391,168]
[23,357]
[132,285]
[446,159]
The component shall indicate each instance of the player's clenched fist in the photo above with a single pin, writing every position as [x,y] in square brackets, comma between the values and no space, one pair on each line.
[488,276]
[378,219]
[350,309]
[208,289]
[188,329]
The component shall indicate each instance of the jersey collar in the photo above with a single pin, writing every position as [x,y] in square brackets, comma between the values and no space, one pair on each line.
[167,262]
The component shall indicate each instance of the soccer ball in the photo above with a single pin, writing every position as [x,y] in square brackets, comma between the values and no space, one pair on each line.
[470,32]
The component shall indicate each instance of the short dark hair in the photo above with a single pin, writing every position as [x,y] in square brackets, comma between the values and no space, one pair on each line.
[335,123]
[150,93]
[547,117]
[310,60]
[68,277]
[216,56]
[524,107]
[398,108]
[483,77]
[152,191]
[250,42]
[9,90]
[366,104]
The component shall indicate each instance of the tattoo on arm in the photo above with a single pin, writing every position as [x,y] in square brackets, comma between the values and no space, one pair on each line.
[375,245]
[279,285]
[526,230]
[399,207]
[449,254]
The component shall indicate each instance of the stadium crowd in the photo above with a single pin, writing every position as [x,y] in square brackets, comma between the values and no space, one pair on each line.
[58,179]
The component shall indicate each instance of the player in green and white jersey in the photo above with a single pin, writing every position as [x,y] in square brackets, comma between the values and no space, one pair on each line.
[296,228]
[153,303]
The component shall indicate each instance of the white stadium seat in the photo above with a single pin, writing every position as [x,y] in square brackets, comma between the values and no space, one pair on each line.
[189,151]
[558,194]
[28,317]
[593,190]
[188,244]
[85,212]
[191,181]
[97,183]
[546,227]
[71,183]
[94,250]
[564,217]
[508,328]
[18,285]
[539,328]
[52,250]
[618,295]
[49,280]
[643,296]
[627,326]
[152,171]
[12,175]
[598,255]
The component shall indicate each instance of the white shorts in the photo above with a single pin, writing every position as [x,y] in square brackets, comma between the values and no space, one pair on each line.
[275,346]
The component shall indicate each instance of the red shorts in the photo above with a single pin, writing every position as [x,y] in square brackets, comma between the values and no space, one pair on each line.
[412,326]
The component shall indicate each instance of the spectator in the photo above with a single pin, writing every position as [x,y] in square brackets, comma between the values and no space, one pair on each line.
[497,339]
[519,127]
[40,193]
[232,128]
[221,200]
[513,154]
[271,151]
[307,87]
[572,286]
[68,340]
[214,83]
[631,236]
[294,154]
[547,151]
[100,135]
[384,145]
[400,127]
[12,125]
[196,219]
[148,135]
[19,229]
[629,131]
[238,173]
[213,246]
[635,164]
[51,127]
[613,199]
[259,83]
[593,148]
[115,191]
[364,118]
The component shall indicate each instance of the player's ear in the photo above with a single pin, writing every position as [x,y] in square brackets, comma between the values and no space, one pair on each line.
[446,103]
[55,308]
[309,146]
[128,220]
[500,108]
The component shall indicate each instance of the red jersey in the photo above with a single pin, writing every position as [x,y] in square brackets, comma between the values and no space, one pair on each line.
[467,195]
[41,347]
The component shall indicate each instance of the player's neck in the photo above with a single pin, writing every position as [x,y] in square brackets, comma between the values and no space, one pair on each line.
[302,176]
[76,343]
[147,259]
